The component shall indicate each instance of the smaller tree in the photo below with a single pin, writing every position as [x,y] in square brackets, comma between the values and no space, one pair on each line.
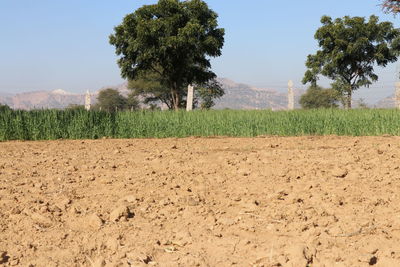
[318,97]
[75,107]
[132,103]
[4,108]
[153,107]
[361,104]
[205,95]
[110,100]
[350,48]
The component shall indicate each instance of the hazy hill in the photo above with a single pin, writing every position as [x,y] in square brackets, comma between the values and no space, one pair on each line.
[243,96]
[388,102]
[43,99]
[237,96]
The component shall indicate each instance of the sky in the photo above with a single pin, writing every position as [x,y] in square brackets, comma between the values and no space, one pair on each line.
[47,44]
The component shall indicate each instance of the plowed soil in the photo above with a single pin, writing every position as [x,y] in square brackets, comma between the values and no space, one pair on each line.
[273,201]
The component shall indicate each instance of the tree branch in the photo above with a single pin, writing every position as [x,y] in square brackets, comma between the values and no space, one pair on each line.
[156,70]
[391,6]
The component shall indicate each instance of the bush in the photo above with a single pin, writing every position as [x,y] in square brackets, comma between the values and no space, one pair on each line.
[4,108]
[318,97]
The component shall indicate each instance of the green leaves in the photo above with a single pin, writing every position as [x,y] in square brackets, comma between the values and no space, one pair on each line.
[318,97]
[350,48]
[207,93]
[391,6]
[111,100]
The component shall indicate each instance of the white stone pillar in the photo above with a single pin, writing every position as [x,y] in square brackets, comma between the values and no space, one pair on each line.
[87,100]
[189,98]
[397,95]
[290,96]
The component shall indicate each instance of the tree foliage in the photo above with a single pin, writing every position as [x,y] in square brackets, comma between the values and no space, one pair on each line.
[4,107]
[132,103]
[75,107]
[173,39]
[318,97]
[350,47]
[206,94]
[391,6]
[111,100]
[149,87]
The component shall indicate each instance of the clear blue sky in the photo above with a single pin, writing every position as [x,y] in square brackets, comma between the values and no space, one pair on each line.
[47,44]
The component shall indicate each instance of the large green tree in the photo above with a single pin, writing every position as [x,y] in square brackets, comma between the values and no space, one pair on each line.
[350,48]
[172,38]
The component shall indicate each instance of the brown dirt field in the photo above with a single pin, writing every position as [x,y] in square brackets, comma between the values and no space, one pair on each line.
[273,201]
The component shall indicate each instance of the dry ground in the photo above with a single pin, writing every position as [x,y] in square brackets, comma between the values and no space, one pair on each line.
[297,201]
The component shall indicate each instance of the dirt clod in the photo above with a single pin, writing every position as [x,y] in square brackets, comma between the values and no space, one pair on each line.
[122,213]
[3,257]
[340,172]
[373,261]
[94,221]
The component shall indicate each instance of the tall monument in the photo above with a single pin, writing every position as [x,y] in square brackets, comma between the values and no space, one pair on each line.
[87,100]
[290,96]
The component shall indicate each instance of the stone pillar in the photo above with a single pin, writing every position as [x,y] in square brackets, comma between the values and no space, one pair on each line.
[290,96]
[87,100]
[189,98]
[397,95]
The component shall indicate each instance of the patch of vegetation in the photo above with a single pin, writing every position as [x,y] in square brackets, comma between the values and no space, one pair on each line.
[81,124]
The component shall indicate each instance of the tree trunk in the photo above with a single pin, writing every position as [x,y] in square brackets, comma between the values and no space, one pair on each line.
[175,96]
[348,99]
[175,99]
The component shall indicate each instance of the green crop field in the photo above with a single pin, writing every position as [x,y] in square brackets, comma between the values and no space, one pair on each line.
[80,124]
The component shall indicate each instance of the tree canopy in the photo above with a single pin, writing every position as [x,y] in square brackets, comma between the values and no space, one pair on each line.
[75,107]
[206,94]
[350,47]
[173,39]
[111,100]
[4,107]
[318,97]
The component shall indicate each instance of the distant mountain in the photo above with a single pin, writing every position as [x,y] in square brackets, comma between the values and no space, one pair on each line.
[237,96]
[388,102]
[43,99]
[243,96]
